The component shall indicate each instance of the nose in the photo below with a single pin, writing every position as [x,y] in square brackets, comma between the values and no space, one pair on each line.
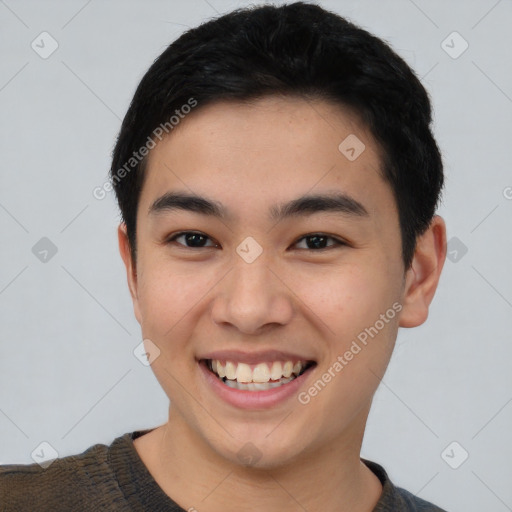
[252,298]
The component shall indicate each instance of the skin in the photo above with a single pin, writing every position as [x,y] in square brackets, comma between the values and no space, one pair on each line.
[188,301]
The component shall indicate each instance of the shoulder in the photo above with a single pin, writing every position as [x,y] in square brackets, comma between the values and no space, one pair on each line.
[64,484]
[411,502]
[396,499]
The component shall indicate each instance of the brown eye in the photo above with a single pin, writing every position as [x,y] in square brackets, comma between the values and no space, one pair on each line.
[318,241]
[192,239]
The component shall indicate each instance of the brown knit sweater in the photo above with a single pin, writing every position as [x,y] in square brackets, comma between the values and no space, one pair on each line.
[114,478]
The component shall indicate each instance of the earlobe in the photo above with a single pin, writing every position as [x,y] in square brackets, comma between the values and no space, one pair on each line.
[131,271]
[423,276]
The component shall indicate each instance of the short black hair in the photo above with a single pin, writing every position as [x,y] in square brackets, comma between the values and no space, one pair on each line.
[297,49]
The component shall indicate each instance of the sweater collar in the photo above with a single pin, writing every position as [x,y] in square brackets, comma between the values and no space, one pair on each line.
[143,493]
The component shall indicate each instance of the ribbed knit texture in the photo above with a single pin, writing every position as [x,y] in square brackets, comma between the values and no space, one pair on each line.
[114,478]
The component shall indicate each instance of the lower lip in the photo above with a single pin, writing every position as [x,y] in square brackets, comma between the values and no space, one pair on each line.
[253,399]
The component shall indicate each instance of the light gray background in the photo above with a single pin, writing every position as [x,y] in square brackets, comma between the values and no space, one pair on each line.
[68,375]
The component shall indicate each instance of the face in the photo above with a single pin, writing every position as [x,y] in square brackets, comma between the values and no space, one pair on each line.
[267,253]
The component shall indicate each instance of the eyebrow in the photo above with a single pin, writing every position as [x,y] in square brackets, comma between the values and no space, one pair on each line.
[308,204]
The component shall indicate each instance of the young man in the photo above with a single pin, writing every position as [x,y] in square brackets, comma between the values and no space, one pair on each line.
[278,181]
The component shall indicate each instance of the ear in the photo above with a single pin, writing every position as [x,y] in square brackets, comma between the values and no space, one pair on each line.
[422,277]
[131,270]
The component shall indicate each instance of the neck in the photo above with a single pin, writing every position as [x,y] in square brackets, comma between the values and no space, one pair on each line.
[328,477]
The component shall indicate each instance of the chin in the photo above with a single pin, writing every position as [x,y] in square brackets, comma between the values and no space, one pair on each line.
[258,452]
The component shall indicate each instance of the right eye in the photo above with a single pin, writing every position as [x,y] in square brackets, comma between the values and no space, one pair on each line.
[192,239]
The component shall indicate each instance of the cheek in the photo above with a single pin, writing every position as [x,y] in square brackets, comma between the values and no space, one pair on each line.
[357,307]
[348,299]
[169,300]
[168,297]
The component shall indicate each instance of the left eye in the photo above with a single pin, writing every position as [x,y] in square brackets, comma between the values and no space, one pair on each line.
[318,241]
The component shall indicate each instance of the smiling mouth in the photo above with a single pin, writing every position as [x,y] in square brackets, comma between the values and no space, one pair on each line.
[257,377]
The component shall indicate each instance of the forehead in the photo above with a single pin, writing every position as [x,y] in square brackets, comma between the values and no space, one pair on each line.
[266,151]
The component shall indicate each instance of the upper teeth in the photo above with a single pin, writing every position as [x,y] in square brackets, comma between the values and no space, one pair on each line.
[262,372]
